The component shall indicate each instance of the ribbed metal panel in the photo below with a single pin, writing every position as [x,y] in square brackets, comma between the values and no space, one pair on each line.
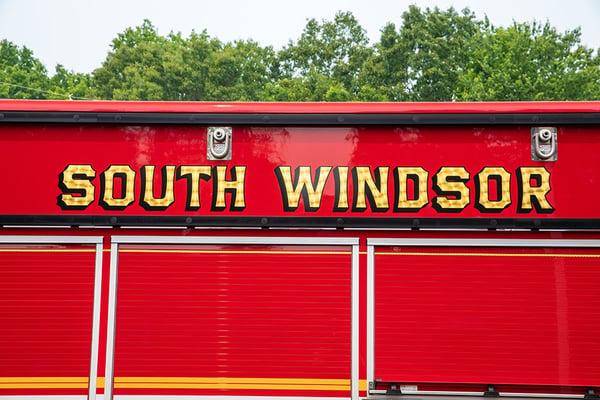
[487,315]
[242,312]
[46,302]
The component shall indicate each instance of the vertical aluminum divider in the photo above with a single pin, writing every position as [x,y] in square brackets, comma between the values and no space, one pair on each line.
[355,322]
[96,323]
[110,332]
[370,313]
[97,240]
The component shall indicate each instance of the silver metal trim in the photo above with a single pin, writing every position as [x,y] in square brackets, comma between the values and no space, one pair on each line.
[234,240]
[110,330]
[424,395]
[162,397]
[548,136]
[98,241]
[219,135]
[45,397]
[26,239]
[502,394]
[229,240]
[448,242]
[95,324]
[370,314]
[174,397]
[441,242]
[354,390]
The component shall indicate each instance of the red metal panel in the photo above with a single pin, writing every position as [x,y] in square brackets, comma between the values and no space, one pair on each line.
[490,316]
[233,319]
[298,108]
[44,152]
[46,299]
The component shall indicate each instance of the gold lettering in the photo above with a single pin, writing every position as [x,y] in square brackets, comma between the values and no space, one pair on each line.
[419,176]
[107,181]
[533,187]
[341,189]
[451,181]
[377,193]
[193,174]
[302,186]
[482,185]
[235,187]
[149,201]
[76,183]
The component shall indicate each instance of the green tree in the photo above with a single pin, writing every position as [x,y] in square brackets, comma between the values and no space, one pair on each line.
[134,69]
[529,61]
[334,49]
[423,59]
[311,87]
[22,76]
[433,55]
[146,66]
[65,84]
[240,71]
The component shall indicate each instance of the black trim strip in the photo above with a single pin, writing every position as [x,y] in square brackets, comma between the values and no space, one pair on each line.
[256,119]
[300,222]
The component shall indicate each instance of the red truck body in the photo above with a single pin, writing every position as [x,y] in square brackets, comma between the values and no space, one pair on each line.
[210,250]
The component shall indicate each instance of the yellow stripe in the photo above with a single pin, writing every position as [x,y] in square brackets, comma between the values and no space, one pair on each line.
[49,379]
[234,251]
[488,254]
[43,383]
[227,386]
[273,381]
[362,385]
[180,383]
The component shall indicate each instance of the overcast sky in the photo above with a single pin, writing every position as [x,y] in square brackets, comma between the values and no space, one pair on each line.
[78,33]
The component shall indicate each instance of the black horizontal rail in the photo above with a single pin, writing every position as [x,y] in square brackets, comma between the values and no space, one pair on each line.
[269,119]
[300,222]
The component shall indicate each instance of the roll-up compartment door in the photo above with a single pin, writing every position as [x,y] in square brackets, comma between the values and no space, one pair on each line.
[47,316]
[233,319]
[494,312]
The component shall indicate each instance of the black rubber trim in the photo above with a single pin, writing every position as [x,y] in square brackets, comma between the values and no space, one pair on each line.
[255,119]
[301,222]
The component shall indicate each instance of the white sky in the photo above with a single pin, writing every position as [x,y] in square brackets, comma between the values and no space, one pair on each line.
[78,33]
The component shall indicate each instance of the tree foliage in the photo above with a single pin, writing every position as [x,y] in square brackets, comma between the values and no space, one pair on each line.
[20,70]
[146,66]
[429,55]
[22,76]
[529,62]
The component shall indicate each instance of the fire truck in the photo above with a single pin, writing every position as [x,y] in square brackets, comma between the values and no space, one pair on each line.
[154,250]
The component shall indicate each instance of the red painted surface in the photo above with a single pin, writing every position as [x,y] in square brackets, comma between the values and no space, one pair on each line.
[32,158]
[223,313]
[46,296]
[525,324]
[483,318]
[580,290]
[298,108]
